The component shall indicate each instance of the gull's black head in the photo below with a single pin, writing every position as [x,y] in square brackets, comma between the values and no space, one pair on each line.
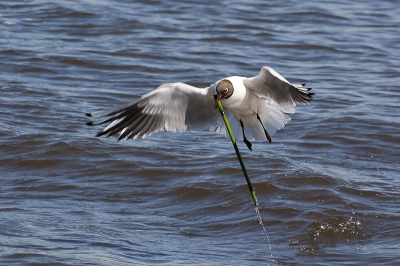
[224,91]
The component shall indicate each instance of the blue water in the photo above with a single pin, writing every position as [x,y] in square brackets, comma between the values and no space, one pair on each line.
[328,186]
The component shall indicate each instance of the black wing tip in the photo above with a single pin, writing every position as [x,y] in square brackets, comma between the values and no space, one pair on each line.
[305,94]
[126,114]
[101,133]
[309,96]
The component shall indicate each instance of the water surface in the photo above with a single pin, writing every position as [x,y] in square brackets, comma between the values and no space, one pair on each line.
[328,186]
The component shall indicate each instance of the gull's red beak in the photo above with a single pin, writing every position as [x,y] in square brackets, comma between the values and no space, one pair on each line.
[216,104]
[217,100]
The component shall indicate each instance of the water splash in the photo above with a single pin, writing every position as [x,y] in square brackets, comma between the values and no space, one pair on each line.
[264,232]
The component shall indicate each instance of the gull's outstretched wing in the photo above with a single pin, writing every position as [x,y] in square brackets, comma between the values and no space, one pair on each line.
[171,107]
[272,85]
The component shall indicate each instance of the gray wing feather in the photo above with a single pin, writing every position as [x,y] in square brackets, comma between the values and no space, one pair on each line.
[271,84]
[171,107]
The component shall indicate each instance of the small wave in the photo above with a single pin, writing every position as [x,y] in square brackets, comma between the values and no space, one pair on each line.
[223,39]
[30,69]
[10,52]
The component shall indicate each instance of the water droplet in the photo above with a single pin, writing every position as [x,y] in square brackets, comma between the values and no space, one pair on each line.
[264,232]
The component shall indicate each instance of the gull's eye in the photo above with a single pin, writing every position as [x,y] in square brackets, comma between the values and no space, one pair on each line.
[226,90]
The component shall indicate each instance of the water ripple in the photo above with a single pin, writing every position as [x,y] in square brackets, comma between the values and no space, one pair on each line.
[327,186]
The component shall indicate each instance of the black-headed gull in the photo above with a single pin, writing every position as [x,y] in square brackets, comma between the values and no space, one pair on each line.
[255,106]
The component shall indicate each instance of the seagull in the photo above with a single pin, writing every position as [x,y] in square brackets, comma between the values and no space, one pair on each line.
[256,108]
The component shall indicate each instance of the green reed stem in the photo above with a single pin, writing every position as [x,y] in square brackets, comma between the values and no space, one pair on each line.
[253,193]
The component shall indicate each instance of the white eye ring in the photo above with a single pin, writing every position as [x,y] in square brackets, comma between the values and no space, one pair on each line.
[226,90]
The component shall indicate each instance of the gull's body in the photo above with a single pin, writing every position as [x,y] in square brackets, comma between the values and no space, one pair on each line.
[255,108]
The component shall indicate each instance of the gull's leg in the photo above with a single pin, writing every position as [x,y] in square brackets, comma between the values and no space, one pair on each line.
[248,144]
[265,131]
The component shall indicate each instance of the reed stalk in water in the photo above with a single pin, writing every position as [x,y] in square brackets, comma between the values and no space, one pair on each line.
[253,193]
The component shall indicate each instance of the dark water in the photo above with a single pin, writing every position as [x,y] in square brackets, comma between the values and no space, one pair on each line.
[328,186]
